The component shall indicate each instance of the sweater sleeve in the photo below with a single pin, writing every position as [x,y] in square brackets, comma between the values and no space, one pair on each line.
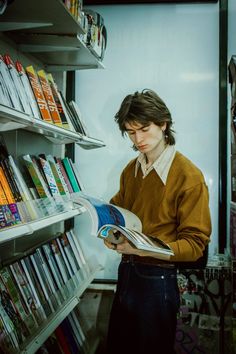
[194,224]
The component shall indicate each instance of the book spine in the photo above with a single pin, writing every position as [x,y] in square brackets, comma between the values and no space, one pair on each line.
[25,193]
[60,261]
[9,327]
[49,176]
[70,174]
[20,92]
[9,181]
[26,291]
[3,198]
[61,177]
[58,101]
[15,103]
[69,253]
[74,242]
[18,301]
[50,280]
[38,93]
[28,90]
[6,187]
[36,177]
[7,99]
[53,266]
[52,164]
[19,326]
[8,167]
[35,286]
[68,265]
[49,98]
[37,267]
[66,179]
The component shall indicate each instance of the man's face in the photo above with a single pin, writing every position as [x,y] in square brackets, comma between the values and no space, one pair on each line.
[146,138]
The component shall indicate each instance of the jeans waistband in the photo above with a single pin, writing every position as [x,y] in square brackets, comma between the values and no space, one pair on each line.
[131,258]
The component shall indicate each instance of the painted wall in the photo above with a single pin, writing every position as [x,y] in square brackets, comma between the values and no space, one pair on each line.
[172,49]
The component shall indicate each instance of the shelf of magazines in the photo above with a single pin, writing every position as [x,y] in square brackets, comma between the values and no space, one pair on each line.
[61,304]
[74,53]
[11,119]
[45,16]
[24,218]
[51,29]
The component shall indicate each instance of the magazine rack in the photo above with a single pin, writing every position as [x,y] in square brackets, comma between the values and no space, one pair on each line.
[59,35]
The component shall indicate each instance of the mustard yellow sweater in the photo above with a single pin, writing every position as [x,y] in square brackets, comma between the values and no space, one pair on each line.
[177,212]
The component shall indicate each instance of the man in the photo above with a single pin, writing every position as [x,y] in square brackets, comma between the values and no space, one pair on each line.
[168,193]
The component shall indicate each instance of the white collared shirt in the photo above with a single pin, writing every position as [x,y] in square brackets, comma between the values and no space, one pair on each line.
[161,165]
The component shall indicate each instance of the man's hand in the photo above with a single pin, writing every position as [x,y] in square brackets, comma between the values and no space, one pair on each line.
[123,247]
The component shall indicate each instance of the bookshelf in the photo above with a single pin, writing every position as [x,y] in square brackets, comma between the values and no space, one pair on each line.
[48,37]
[34,343]
[50,33]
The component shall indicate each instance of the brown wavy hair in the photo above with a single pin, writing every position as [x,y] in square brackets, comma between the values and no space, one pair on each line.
[145,107]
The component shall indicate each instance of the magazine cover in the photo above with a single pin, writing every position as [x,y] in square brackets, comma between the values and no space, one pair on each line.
[113,223]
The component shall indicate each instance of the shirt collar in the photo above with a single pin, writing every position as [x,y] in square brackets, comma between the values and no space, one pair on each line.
[161,165]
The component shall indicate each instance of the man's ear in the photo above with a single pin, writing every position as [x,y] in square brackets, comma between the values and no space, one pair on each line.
[163,127]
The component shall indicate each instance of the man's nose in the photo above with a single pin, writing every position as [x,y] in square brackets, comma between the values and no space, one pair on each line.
[138,137]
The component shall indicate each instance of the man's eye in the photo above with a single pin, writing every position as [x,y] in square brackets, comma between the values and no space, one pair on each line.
[145,129]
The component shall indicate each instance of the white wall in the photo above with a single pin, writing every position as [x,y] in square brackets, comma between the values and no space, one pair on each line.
[172,49]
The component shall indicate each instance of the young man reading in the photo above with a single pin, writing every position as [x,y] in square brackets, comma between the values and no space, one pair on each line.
[169,194]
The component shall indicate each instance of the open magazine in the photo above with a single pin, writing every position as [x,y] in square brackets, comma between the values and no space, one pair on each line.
[110,222]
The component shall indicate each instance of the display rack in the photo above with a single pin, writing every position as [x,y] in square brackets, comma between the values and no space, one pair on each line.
[49,32]
[46,35]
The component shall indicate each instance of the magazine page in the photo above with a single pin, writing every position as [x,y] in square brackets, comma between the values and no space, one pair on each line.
[113,234]
[103,213]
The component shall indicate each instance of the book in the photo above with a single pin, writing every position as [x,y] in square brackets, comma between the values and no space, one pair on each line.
[5,94]
[52,265]
[74,242]
[44,278]
[54,170]
[27,207]
[63,173]
[28,90]
[10,93]
[71,175]
[38,93]
[10,334]
[49,175]
[20,92]
[27,292]
[36,286]
[60,261]
[14,292]
[65,258]
[71,257]
[67,111]
[77,174]
[110,223]
[49,97]
[12,312]
[61,176]
[78,118]
[37,178]
[58,101]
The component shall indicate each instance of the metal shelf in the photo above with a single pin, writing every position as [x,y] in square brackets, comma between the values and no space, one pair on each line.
[11,233]
[56,318]
[45,29]
[11,119]
[46,16]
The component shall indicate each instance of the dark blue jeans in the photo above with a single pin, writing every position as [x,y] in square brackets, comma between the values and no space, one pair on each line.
[143,316]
